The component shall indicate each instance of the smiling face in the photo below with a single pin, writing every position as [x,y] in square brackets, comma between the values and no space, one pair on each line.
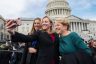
[37,24]
[46,23]
[60,27]
[94,44]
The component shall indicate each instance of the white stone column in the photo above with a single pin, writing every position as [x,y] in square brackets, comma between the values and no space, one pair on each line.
[66,12]
[87,26]
[51,12]
[76,26]
[60,11]
[70,26]
[79,27]
[84,26]
[63,11]
[57,11]
[48,12]
[54,11]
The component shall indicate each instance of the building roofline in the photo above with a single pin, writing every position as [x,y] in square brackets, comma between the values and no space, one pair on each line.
[27,19]
[2,18]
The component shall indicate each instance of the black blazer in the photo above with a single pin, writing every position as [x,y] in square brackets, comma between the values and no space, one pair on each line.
[47,48]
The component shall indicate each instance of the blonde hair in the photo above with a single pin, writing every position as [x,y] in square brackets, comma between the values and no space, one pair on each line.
[49,21]
[64,22]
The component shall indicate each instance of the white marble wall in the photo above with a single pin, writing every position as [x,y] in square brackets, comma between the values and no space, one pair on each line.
[26,26]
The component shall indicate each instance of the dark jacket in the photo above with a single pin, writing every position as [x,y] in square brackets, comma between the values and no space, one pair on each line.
[32,57]
[47,48]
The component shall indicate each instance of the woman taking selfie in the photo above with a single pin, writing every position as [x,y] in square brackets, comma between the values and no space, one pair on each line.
[48,52]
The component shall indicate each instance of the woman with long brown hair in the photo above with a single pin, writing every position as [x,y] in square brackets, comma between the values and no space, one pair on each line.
[32,46]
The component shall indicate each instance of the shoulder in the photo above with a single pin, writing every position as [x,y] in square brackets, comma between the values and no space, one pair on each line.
[37,32]
[56,34]
[75,35]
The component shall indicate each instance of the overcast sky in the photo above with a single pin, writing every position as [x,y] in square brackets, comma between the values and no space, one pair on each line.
[36,8]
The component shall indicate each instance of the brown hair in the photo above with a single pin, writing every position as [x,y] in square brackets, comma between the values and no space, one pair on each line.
[64,22]
[49,21]
[33,29]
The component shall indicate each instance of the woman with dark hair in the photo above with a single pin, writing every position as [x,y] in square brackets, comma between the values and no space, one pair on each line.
[48,52]
[92,45]
[72,48]
[36,25]
[32,46]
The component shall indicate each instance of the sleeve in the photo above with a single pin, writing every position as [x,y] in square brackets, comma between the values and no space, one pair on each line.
[29,44]
[80,44]
[33,44]
[18,37]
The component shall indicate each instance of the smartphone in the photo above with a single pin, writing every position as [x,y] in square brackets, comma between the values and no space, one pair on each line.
[18,22]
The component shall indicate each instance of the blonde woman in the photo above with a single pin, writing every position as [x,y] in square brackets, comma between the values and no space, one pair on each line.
[72,48]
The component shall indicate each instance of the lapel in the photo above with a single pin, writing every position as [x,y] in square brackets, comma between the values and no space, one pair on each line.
[48,37]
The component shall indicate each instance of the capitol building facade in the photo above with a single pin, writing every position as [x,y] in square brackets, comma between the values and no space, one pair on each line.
[61,9]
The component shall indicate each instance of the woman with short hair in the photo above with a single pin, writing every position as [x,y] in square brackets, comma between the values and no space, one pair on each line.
[72,48]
